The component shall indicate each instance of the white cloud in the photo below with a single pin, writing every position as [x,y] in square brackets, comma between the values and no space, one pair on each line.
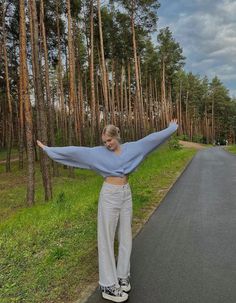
[206,29]
[227,8]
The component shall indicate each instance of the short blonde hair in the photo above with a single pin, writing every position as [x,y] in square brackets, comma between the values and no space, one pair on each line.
[112,131]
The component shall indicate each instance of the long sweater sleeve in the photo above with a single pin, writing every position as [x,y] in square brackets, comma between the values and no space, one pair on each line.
[152,141]
[106,162]
[75,156]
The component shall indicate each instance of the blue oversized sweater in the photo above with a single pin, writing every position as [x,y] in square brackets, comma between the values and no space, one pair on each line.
[106,162]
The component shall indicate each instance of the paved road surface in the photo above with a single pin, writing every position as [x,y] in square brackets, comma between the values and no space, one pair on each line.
[186,253]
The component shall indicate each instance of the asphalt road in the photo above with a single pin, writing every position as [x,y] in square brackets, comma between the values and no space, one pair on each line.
[186,252]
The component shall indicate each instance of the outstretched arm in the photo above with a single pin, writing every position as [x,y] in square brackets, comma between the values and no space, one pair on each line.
[75,156]
[153,140]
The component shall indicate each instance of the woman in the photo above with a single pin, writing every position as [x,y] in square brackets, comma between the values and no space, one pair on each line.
[114,161]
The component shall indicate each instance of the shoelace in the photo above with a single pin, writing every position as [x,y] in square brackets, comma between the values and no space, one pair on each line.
[116,290]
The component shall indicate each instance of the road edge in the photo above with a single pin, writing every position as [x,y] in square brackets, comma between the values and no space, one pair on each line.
[162,199]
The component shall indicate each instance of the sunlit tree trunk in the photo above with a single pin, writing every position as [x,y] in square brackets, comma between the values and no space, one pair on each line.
[163,97]
[103,65]
[136,71]
[91,69]
[75,36]
[40,102]
[131,116]
[71,61]
[50,109]
[122,96]
[63,115]
[25,99]
[141,107]
[113,108]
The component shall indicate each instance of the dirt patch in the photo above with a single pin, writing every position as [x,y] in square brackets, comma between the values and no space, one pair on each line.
[192,144]
[12,160]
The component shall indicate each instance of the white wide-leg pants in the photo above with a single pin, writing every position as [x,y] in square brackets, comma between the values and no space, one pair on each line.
[115,205]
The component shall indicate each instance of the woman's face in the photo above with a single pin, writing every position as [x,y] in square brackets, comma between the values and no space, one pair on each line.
[110,142]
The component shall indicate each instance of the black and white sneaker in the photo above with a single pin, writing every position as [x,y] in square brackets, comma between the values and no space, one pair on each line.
[113,293]
[125,284]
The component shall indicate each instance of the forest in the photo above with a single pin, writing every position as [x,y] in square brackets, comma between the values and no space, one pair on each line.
[68,68]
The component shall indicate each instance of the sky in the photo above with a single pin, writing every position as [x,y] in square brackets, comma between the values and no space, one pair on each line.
[206,31]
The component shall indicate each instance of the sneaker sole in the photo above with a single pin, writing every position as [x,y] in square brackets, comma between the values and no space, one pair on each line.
[114,299]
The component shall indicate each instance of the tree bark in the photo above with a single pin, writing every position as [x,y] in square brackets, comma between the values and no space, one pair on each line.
[50,109]
[9,119]
[136,70]
[25,99]
[103,65]
[91,69]
[40,102]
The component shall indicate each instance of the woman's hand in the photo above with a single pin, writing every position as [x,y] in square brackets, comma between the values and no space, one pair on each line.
[40,144]
[173,121]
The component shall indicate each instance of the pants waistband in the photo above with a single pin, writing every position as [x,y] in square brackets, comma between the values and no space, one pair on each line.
[109,185]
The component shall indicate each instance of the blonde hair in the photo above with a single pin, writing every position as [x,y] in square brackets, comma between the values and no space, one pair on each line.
[112,131]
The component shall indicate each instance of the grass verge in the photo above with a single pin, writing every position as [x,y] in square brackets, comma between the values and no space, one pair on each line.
[231,148]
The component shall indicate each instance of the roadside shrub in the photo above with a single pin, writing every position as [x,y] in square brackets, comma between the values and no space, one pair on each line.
[184,137]
[198,139]
[174,143]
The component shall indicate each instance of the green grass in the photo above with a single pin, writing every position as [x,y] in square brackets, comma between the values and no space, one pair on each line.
[48,252]
[231,148]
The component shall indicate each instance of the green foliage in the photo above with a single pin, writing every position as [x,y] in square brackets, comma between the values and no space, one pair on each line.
[170,52]
[184,137]
[198,139]
[219,97]
[61,204]
[143,11]
[173,143]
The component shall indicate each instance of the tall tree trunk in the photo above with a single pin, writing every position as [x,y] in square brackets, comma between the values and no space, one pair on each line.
[141,107]
[136,70]
[91,68]
[122,97]
[113,108]
[126,109]
[71,76]
[9,100]
[50,110]
[63,123]
[187,116]
[213,119]
[80,97]
[117,97]
[76,59]
[21,128]
[131,115]
[97,108]
[40,103]
[163,96]
[103,65]
[170,105]
[180,109]
[24,97]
